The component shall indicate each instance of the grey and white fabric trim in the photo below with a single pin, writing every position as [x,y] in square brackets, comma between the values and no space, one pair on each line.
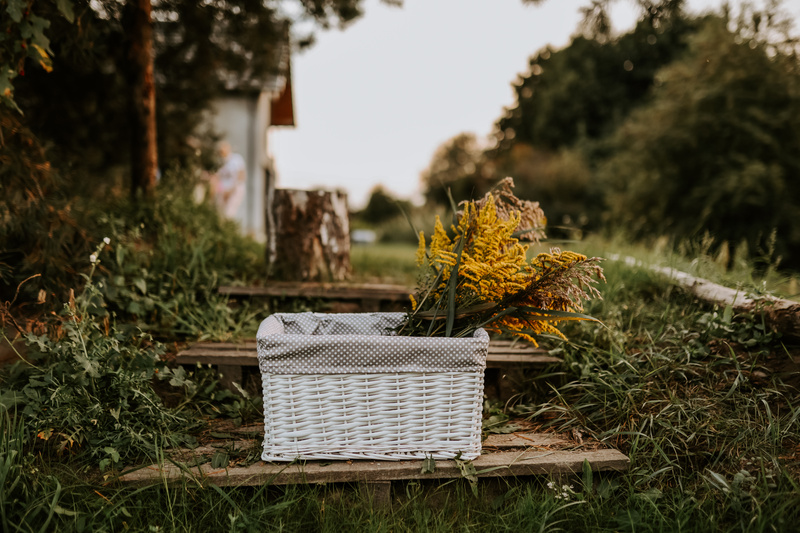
[351,343]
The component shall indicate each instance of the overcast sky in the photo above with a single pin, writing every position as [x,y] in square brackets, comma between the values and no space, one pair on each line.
[373,102]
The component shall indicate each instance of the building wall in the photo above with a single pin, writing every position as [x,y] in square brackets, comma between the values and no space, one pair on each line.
[242,121]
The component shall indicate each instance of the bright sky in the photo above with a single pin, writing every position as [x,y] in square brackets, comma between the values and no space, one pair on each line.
[373,102]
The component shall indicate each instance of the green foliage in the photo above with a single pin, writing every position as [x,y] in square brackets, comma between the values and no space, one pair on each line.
[25,39]
[78,101]
[86,388]
[382,206]
[584,90]
[168,257]
[27,498]
[714,151]
[688,393]
[457,165]
[41,231]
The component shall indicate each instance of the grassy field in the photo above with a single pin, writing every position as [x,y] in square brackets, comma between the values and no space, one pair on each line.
[705,403]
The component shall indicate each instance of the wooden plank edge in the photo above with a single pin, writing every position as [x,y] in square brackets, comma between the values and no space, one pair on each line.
[188,357]
[330,292]
[502,464]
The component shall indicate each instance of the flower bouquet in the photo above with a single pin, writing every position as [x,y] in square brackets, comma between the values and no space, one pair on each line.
[478,276]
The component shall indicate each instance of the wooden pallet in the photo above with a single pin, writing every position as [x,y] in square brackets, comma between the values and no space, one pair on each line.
[356,297]
[230,358]
[512,455]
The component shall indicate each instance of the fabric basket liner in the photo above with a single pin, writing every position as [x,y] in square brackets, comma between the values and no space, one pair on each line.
[360,343]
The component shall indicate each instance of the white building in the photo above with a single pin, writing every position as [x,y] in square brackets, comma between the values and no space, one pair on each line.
[243,117]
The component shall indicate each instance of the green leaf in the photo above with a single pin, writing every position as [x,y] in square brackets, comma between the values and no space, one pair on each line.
[549,314]
[15,9]
[469,473]
[219,460]
[588,478]
[65,7]
[607,487]
[64,512]
[140,284]
[452,283]
[428,465]
[113,453]
[727,314]
[33,29]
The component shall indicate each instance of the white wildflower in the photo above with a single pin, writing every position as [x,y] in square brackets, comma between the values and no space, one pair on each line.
[106,240]
[93,258]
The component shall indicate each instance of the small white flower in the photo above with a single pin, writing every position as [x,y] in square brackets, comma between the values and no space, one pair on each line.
[549,484]
[106,240]
[93,258]
[564,495]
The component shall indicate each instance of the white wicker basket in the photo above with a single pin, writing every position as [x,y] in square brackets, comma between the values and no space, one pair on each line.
[339,386]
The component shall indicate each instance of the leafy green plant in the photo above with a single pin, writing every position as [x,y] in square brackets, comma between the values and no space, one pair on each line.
[87,386]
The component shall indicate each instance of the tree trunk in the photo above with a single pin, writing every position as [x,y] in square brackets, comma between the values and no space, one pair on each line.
[312,236]
[144,154]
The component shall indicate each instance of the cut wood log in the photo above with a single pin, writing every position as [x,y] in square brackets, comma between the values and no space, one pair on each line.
[780,314]
[312,236]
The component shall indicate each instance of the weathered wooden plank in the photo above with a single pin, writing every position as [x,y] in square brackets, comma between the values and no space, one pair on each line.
[498,359]
[343,291]
[523,440]
[495,442]
[500,464]
[248,357]
[495,346]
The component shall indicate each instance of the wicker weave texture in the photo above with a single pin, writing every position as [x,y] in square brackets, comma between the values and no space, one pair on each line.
[389,416]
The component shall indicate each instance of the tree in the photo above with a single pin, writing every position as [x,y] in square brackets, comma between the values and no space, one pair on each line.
[583,91]
[715,151]
[199,46]
[572,99]
[382,206]
[138,27]
[458,164]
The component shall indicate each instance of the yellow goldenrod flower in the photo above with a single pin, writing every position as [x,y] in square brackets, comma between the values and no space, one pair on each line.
[494,275]
[421,249]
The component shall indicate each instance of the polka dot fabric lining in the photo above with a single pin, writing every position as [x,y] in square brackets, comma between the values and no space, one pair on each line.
[355,343]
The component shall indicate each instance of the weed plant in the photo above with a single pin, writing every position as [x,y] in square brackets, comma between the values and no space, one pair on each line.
[86,388]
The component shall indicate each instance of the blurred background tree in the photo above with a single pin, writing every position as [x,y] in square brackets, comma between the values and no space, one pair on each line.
[685,127]
[715,148]
[459,165]
[383,206]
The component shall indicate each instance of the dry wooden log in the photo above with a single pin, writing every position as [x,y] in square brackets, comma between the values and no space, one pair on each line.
[312,236]
[780,314]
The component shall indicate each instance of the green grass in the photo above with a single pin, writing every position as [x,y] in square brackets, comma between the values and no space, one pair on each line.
[384,263]
[690,392]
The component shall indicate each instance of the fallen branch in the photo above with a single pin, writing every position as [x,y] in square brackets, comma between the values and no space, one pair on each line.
[780,314]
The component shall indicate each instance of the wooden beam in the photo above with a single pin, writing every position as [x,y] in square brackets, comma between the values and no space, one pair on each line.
[245,354]
[501,464]
[328,291]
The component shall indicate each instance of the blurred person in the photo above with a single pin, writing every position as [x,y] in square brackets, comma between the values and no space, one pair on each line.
[228,183]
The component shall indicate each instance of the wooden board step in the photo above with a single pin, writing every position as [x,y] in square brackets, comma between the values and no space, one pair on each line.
[522,454]
[501,354]
[344,291]
[339,297]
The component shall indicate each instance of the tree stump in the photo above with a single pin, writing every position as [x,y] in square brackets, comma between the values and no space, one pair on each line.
[312,236]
